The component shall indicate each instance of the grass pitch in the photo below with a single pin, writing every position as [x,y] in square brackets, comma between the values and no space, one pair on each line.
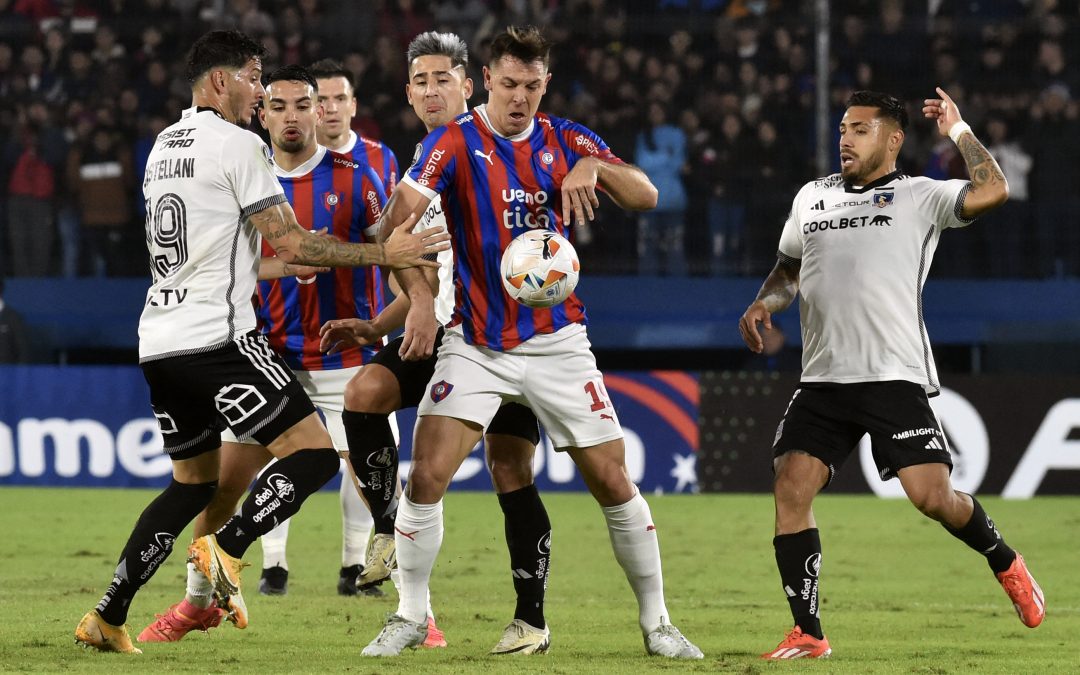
[899,595]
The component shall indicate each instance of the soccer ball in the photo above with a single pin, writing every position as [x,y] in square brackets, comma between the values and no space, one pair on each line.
[540,268]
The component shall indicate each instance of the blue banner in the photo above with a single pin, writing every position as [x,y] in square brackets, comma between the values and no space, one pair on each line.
[92,426]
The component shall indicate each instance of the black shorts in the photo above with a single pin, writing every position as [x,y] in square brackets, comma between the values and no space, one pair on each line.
[413,377]
[827,420]
[243,385]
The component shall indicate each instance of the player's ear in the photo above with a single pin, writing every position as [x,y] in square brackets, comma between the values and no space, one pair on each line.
[262,114]
[487,78]
[467,87]
[896,139]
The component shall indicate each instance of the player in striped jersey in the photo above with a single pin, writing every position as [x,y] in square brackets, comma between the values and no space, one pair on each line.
[438,90]
[857,248]
[502,169]
[338,98]
[328,192]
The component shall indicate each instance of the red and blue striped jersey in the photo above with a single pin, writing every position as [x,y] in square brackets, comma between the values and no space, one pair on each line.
[494,188]
[375,154]
[346,197]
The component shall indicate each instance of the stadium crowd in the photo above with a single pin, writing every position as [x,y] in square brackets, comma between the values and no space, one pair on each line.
[713,98]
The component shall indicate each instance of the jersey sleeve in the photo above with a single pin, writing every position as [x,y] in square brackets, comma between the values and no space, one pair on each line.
[584,142]
[791,239]
[250,171]
[371,199]
[941,201]
[434,164]
[391,178]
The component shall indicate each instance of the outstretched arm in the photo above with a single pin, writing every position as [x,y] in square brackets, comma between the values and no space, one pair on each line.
[989,189]
[776,295]
[294,244]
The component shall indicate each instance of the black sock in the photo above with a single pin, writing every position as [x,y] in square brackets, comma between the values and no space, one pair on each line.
[150,543]
[528,536]
[798,556]
[981,534]
[277,494]
[373,455]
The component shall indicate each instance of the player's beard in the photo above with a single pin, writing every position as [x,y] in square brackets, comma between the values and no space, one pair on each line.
[866,166]
[292,146]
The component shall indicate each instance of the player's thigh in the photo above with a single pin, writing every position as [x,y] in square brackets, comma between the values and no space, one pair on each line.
[816,424]
[375,389]
[566,392]
[904,431]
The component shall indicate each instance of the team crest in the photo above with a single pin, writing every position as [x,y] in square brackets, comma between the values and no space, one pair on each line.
[882,199]
[546,157]
[331,200]
[441,390]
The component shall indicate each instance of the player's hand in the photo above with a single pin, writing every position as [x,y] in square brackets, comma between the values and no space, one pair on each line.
[403,248]
[340,334]
[420,330]
[579,192]
[942,110]
[748,325]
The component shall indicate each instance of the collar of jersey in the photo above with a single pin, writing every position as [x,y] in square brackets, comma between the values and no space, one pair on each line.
[350,144]
[203,108]
[848,187]
[481,110]
[305,168]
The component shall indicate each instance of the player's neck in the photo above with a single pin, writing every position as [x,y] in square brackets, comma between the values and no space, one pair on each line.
[335,144]
[290,160]
[881,171]
[200,98]
[433,127]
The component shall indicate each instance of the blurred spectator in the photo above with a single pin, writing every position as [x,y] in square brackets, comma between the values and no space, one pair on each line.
[35,154]
[14,336]
[728,187]
[1054,142]
[1008,227]
[661,153]
[100,174]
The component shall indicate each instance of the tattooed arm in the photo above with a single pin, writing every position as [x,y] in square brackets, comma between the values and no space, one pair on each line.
[776,295]
[293,244]
[989,189]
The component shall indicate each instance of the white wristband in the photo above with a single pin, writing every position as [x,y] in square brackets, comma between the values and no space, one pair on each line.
[957,129]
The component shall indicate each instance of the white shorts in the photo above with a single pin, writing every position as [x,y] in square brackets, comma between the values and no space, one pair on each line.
[554,374]
[326,389]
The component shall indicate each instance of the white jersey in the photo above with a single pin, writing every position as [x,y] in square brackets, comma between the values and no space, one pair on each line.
[865,256]
[204,177]
[444,303]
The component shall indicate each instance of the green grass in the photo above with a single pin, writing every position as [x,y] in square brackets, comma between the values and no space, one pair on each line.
[899,595]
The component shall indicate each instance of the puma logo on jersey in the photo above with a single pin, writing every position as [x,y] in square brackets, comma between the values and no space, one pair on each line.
[487,156]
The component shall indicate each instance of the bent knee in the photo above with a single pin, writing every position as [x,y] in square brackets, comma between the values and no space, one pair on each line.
[374,390]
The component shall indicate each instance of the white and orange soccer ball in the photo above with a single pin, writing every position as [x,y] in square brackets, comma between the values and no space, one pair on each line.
[540,268]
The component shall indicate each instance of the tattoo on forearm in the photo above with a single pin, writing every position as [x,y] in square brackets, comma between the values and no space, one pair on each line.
[981,165]
[333,253]
[781,286]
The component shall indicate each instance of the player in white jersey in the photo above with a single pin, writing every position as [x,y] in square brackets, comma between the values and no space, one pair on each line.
[857,248]
[210,193]
[438,90]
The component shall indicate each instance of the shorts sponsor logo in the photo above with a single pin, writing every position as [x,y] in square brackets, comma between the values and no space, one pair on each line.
[237,402]
[441,390]
[912,433]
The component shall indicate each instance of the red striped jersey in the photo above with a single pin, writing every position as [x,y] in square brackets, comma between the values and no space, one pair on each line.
[376,155]
[328,191]
[493,188]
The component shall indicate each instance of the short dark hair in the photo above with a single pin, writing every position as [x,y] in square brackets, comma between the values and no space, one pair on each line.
[293,73]
[326,68]
[229,48]
[526,44]
[432,43]
[888,106]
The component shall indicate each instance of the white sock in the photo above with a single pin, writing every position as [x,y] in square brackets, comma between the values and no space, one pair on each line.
[200,592]
[356,524]
[633,538]
[273,546]
[395,577]
[418,533]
